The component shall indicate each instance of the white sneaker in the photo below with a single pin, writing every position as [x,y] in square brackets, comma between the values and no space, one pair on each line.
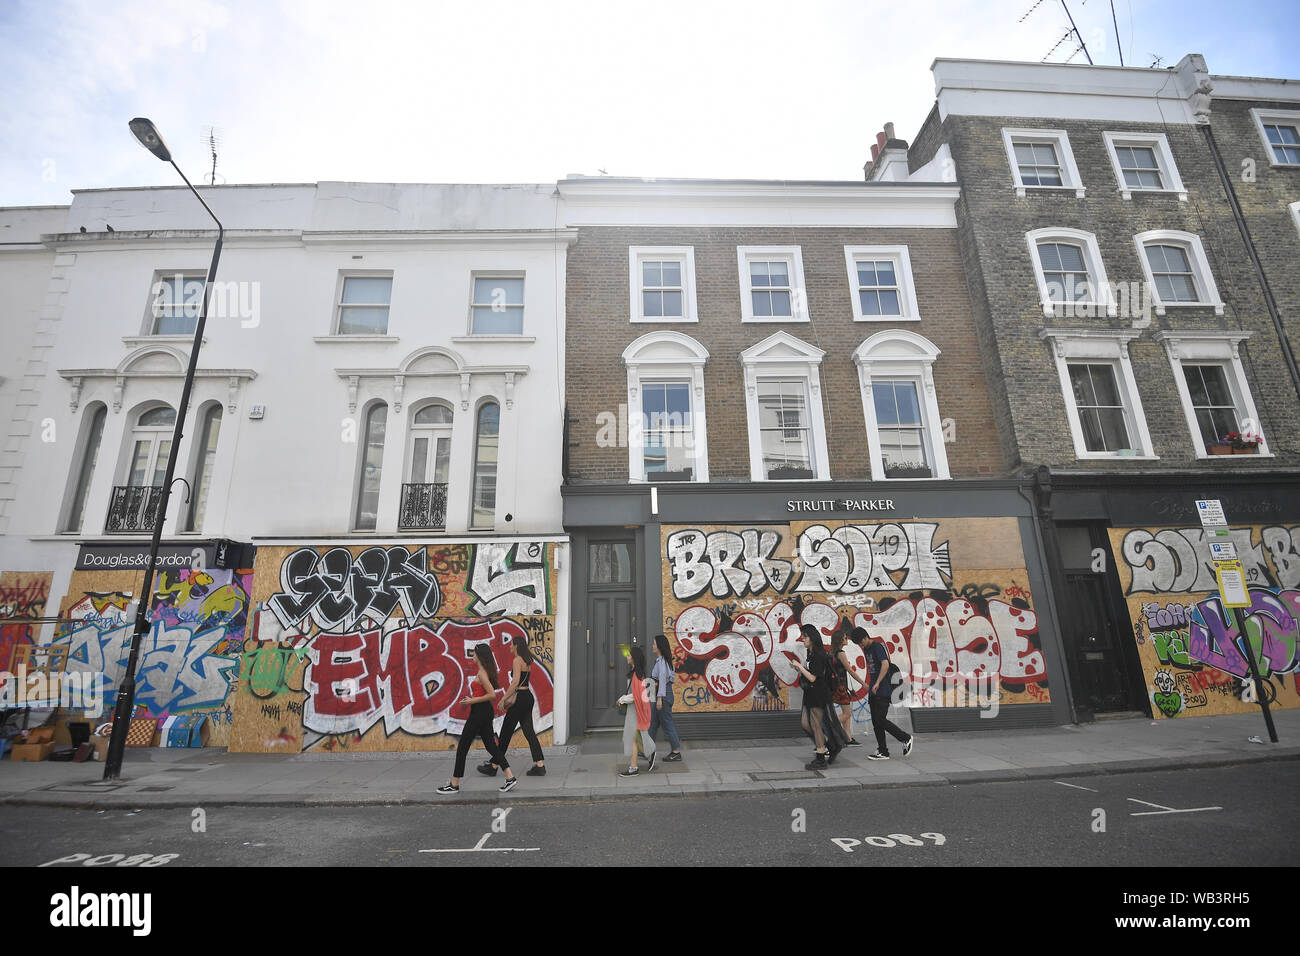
[907,747]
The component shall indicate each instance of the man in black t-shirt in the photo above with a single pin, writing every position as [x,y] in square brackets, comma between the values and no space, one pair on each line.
[878,697]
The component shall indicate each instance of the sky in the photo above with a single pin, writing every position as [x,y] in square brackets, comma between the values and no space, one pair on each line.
[497,91]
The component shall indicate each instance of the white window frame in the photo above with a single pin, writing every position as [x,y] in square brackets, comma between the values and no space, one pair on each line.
[1099,347]
[1295,214]
[522,307]
[782,356]
[683,254]
[665,356]
[1206,288]
[1158,143]
[1207,347]
[902,272]
[1057,138]
[899,354]
[336,329]
[793,257]
[1275,117]
[1103,296]
[152,318]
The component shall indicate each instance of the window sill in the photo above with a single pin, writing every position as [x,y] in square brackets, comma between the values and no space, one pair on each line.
[780,320]
[1218,307]
[1127,193]
[886,318]
[1077,190]
[494,338]
[137,340]
[1256,454]
[662,320]
[1070,310]
[356,339]
[1112,457]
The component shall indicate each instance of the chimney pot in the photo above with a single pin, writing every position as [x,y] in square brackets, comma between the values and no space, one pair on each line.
[881,140]
[889,131]
[875,152]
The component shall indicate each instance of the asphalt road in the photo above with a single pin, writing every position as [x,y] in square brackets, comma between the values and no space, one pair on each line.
[1233,816]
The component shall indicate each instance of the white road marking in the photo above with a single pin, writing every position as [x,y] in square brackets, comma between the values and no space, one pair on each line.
[480,848]
[1062,783]
[1163,809]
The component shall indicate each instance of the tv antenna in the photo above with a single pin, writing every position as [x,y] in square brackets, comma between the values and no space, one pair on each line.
[212,139]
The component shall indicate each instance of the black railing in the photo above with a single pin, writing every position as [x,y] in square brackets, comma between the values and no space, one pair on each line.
[424,507]
[133,508]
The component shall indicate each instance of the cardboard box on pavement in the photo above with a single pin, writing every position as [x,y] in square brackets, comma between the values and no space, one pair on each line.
[39,751]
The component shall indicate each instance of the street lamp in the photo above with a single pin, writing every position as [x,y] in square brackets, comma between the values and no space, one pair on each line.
[150,139]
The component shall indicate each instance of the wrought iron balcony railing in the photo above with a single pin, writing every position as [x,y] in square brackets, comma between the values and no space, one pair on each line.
[424,507]
[133,508]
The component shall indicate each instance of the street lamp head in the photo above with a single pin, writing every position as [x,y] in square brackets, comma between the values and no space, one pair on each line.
[149,138]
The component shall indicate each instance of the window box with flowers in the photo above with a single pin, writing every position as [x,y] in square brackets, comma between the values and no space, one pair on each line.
[1237,443]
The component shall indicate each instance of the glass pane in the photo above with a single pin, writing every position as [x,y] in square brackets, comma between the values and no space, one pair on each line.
[419,460]
[207,459]
[433,415]
[886,403]
[678,402]
[1176,288]
[497,291]
[485,466]
[652,304]
[1071,258]
[1196,386]
[160,466]
[1113,428]
[1081,382]
[762,303]
[489,321]
[363,321]
[1091,425]
[909,409]
[162,416]
[369,290]
[609,562]
[651,274]
[778,274]
[1049,256]
[889,303]
[1216,385]
[1024,154]
[1103,385]
[139,463]
[442,461]
[1045,154]
[781,303]
[88,460]
[672,274]
[672,304]
[758,274]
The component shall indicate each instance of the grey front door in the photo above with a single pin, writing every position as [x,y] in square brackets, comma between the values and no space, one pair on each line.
[611,613]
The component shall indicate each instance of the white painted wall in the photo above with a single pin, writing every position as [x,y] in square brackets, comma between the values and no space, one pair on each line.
[292,474]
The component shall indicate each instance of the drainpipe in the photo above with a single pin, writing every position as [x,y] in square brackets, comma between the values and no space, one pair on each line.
[1040,505]
[1269,301]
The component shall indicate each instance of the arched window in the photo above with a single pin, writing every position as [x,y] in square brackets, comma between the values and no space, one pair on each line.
[428,459]
[904,430]
[372,457]
[89,455]
[204,459]
[486,445]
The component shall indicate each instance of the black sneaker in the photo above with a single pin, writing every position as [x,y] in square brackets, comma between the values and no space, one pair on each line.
[508,785]
[486,769]
[907,747]
[629,773]
[818,763]
[673,757]
[653,757]
[536,771]
[448,788]
[877,756]
[853,743]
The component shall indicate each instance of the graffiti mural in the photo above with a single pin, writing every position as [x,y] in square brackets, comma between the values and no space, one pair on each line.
[734,599]
[189,658]
[23,594]
[372,648]
[1193,654]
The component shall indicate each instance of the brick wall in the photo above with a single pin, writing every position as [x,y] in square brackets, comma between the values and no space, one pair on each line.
[992,227]
[598,330]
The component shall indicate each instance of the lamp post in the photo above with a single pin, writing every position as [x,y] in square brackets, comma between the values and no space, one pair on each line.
[150,139]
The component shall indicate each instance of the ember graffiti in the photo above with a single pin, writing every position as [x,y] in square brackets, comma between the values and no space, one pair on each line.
[412,679]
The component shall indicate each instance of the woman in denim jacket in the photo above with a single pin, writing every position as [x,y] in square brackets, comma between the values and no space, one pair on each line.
[661,705]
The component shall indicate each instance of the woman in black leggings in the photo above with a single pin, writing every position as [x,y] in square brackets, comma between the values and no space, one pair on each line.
[479,723]
[519,700]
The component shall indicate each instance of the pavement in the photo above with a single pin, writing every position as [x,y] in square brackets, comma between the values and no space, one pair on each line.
[587,770]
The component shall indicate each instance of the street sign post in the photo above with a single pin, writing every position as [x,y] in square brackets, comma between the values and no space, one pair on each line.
[1233,593]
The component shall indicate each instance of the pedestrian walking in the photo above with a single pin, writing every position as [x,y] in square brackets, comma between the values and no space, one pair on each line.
[637,700]
[483,691]
[518,701]
[816,680]
[661,703]
[844,667]
[878,669]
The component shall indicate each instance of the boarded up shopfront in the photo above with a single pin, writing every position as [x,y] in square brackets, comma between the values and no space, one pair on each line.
[372,648]
[1189,644]
[949,598]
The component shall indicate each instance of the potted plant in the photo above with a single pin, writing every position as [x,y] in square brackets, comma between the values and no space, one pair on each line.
[1219,448]
[1243,443]
[908,469]
[788,473]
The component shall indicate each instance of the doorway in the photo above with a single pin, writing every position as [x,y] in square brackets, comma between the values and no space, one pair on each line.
[612,620]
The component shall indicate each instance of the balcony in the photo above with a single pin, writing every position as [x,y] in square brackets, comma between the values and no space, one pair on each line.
[424,508]
[133,509]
